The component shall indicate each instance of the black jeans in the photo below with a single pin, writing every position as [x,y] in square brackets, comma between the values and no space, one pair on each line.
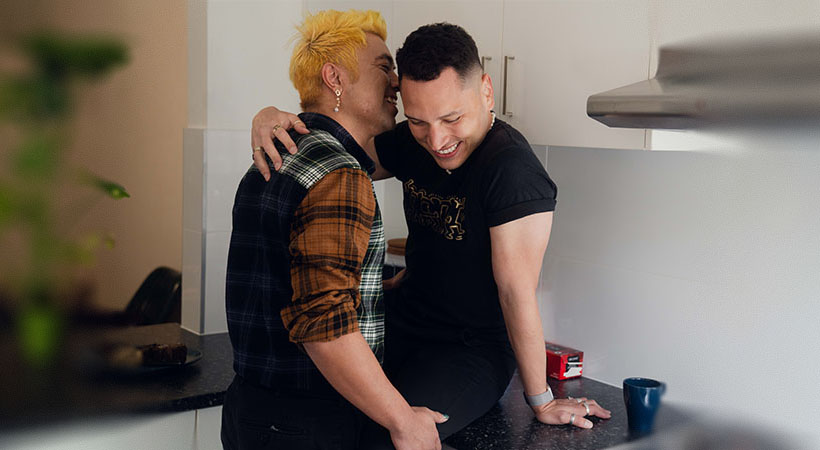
[254,417]
[461,377]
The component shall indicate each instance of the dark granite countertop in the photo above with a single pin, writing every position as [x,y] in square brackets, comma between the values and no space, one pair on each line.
[30,398]
[512,425]
[74,391]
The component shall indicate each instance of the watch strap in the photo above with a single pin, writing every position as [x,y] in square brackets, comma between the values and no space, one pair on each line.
[540,399]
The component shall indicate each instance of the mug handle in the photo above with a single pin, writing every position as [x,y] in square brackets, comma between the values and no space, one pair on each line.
[663,388]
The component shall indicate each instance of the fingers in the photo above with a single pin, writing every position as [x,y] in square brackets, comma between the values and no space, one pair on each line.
[270,150]
[258,158]
[570,411]
[298,125]
[439,417]
[597,410]
[594,408]
[569,418]
[281,134]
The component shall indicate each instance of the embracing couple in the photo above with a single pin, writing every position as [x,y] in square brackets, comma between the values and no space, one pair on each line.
[326,357]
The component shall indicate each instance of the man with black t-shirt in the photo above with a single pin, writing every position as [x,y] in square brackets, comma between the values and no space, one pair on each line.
[478,206]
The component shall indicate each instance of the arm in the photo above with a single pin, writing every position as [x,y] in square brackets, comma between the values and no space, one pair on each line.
[394,281]
[517,253]
[263,135]
[350,367]
[329,238]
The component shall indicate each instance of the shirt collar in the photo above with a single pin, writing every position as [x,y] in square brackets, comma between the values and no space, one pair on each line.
[325,123]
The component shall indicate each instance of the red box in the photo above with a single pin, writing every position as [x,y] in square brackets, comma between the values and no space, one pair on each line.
[563,362]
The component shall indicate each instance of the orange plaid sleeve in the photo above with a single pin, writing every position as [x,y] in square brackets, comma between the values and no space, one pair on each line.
[328,242]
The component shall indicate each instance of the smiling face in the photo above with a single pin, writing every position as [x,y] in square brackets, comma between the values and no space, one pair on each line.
[449,116]
[371,99]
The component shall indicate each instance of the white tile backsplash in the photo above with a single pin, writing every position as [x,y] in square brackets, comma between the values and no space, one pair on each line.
[193,151]
[248,49]
[192,269]
[227,158]
[216,261]
[391,205]
[698,268]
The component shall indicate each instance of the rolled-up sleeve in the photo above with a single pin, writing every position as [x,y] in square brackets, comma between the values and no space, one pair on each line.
[328,241]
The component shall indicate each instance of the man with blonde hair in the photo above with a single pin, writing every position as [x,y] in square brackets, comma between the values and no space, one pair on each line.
[303,291]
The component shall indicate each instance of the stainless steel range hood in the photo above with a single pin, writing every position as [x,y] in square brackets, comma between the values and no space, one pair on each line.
[771,81]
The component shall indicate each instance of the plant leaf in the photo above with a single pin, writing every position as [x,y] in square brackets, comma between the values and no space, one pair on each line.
[60,54]
[38,157]
[108,187]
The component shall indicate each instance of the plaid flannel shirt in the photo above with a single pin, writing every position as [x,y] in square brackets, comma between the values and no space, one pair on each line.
[305,260]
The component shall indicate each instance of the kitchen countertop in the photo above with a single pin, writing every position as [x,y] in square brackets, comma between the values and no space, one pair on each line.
[73,391]
[512,425]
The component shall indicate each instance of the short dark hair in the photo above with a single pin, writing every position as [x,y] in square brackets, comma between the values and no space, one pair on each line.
[432,48]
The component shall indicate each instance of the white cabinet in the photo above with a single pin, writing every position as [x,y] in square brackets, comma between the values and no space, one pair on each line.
[208,428]
[566,50]
[557,53]
[481,18]
[156,432]
[188,430]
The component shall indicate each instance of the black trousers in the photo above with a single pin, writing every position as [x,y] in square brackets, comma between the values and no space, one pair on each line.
[254,417]
[462,377]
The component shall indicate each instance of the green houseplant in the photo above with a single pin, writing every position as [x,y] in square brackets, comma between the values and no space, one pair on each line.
[35,109]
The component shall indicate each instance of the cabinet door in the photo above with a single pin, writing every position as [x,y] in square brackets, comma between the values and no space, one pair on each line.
[481,18]
[208,428]
[173,431]
[564,51]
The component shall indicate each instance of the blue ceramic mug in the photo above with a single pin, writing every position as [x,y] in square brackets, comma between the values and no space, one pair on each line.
[642,397]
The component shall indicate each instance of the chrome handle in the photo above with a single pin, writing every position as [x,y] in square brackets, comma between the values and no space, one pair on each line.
[506,85]
[485,58]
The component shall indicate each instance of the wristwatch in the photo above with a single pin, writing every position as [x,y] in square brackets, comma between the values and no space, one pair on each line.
[540,399]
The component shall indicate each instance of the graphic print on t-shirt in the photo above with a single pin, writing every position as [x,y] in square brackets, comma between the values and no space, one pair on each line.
[442,215]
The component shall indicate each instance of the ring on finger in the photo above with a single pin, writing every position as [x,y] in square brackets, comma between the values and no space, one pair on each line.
[572,419]
[586,406]
[276,128]
[257,149]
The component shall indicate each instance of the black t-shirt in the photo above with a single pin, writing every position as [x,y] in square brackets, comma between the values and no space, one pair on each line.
[449,285]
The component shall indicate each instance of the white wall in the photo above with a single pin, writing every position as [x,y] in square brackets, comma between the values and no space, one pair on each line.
[238,57]
[124,127]
[698,268]
[238,63]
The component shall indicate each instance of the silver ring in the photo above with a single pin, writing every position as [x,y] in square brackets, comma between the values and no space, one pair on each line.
[572,419]
[586,406]
[577,400]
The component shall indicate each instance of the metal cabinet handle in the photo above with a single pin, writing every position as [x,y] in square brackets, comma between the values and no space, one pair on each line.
[485,58]
[504,110]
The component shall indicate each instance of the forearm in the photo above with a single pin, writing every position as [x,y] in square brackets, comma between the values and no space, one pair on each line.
[352,369]
[527,339]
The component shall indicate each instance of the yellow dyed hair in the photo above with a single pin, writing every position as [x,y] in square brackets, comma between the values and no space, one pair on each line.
[334,37]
